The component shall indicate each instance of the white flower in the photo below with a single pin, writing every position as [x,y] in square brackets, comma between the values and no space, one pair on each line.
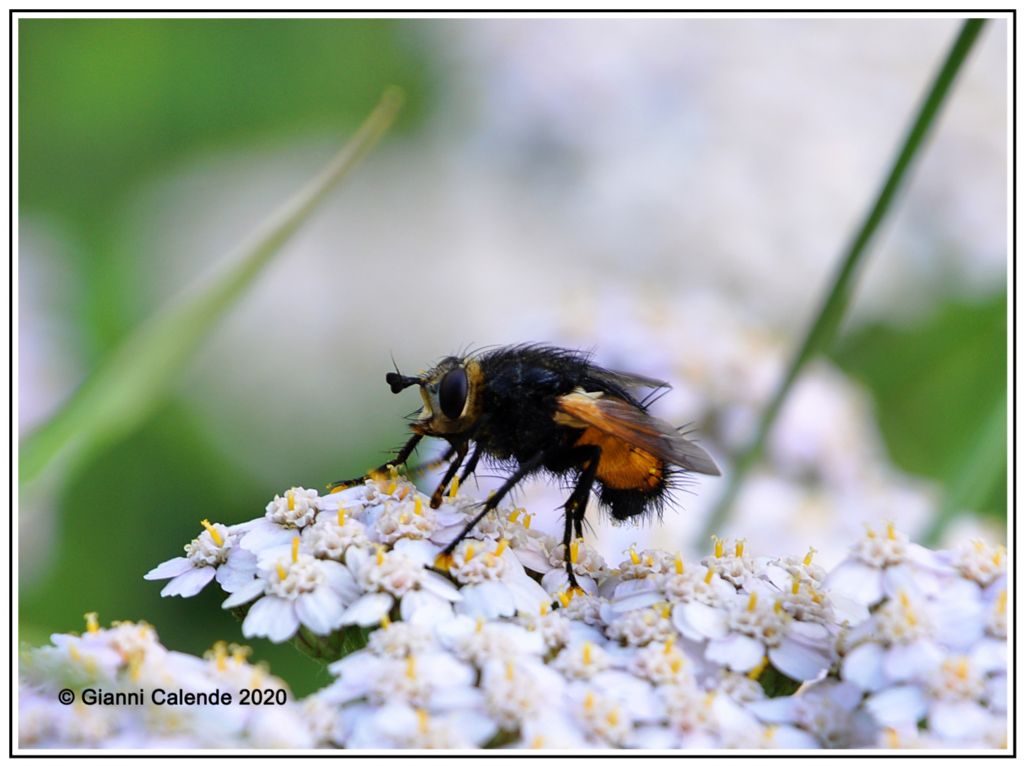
[285,516]
[294,589]
[433,679]
[332,534]
[753,627]
[980,562]
[192,572]
[494,583]
[828,710]
[882,564]
[398,725]
[400,573]
[587,564]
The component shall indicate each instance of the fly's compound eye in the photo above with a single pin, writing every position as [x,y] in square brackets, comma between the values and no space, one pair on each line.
[454,390]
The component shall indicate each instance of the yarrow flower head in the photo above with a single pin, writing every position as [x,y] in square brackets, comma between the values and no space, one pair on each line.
[487,645]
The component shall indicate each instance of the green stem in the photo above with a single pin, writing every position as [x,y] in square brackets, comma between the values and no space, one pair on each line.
[830,314]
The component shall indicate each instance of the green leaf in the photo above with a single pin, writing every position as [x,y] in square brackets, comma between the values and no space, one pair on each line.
[134,377]
[940,395]
[776,684]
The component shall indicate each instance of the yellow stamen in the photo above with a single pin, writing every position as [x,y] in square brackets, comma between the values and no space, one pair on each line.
[665,610]
[676,664]
[295,550]
[341,517]
[769,732]
[587,658]
[216,536]
[135,665]
[526,520]
[669,643]
[239,653]
[680,567]
[479,624]
[708,576]
[514,516]
[403,519]
[719,546]
[470,552]
[613,717]
[422,720]
[756,671]
[589,701]
[537,742]
[810,556]
[961,669]
[778,606]
[576,591]
[752,602]
[92,622]
[892,738]
[649,560]
[443,562]
[385,622]
[291,500]
[739,548]
[220,655]
[633,557]
[890,530]
[796,585]
[997,557]
[73,652]
[1001,602]
[574,552]
[502,545]
[410,667]
[545,607]
[510,670]
[391,488]
[453,490]
[869,532]
[282,573]
[418,506]
[564,598]
[380,555]
[904,599]
[816,597]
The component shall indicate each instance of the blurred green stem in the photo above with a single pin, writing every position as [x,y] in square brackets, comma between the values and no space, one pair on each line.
[982,466]
[829,316]
[130,381]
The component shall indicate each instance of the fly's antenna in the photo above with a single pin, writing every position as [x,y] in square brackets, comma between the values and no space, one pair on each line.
[397,380]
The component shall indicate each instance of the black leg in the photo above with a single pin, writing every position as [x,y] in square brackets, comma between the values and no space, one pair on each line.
[424,467]
[492,502]
[460,455]
[576,506]
[399,459]
[471,465]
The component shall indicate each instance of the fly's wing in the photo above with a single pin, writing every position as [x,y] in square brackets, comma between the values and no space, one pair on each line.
[624,421]
[630,380]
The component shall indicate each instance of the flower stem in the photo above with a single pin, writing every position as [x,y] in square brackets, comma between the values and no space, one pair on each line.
[826,323]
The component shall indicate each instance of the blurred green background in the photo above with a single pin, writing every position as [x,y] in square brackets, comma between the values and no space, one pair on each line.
[106,106]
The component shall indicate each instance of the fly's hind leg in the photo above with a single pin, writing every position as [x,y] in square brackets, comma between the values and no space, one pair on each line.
[399,459]
[588,457]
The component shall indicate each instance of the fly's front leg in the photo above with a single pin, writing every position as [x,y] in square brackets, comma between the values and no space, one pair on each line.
[460,455]
[491,503]
[588,457]
[399,459]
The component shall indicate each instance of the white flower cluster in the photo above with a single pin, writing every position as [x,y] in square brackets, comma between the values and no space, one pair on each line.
[132,692]
[897,646]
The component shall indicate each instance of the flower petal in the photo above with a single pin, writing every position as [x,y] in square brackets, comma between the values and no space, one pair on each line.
[856,580]
[171,568]
[189,583]
[368,610]
[698,621]
[735,651]
[898,706]
[864,667]
[320,610]
[244,594]
[798,661]
[271,617]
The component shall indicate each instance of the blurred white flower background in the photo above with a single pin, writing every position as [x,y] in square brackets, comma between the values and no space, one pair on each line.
[673,195]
